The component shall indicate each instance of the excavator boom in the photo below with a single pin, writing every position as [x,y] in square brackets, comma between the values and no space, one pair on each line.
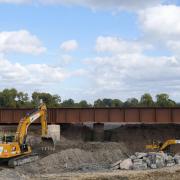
[25,122]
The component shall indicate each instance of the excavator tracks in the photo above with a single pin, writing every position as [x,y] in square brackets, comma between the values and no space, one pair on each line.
[18,161]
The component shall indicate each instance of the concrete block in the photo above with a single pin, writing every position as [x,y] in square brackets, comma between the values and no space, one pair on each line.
[156,160]
[138,161]
[160,163]
[153,166]
[148,161]
[160,160]
[133,157]
[169,158]
[169,164]
[169,161]
[140,154]
[177,159]
[127,164]
[137,166]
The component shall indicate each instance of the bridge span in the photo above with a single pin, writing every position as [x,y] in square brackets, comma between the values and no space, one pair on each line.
[98,115]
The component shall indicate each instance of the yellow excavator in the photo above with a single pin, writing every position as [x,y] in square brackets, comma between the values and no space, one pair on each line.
[162,146]
[14,149]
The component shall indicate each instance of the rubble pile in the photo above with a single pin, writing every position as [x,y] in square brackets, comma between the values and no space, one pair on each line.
[143,161]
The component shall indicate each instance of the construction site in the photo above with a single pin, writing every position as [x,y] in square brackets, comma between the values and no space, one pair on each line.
[90,143]
[89,90]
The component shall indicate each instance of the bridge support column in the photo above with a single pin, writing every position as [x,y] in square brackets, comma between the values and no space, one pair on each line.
[98,132]
[54,131]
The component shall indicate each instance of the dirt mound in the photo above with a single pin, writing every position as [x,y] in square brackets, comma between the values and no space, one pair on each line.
[87,157]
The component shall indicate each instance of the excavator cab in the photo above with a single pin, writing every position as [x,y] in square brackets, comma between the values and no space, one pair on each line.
[7,139]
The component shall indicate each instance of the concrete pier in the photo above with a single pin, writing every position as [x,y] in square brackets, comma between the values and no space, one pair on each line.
[54,131]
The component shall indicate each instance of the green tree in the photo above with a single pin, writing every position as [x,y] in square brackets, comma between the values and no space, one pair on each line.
[22,100]
[83,104]
[8,98]
[99,103]
[164,101]
[131,102]
[107,102]
[146,100]
[116,103]
[178,104]
[50,100]
[68,103]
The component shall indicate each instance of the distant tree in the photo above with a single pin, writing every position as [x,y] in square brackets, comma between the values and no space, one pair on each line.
[99,103]
[8,98]
[68,103]
[83,104]
[164,101]
[50,100]
[131,102]
[116,103]
[12,98]
[107,102]
[22,100]
[146,100]
[178,104]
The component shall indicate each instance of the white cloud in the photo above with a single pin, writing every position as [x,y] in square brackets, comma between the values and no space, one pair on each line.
[174,46]
[65,59]
[106,4]
[125,73]
[15,1]
[161,21]
[16,73]
[128,70]
[69,45]
[93,4]
[161,26]
[131,71]
[117,45]
[20,41]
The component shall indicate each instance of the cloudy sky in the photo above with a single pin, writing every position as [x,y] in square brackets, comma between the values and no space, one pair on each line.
[89,49]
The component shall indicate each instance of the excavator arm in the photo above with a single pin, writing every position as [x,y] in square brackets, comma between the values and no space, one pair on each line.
[162,146]
[25,122]
[168,143]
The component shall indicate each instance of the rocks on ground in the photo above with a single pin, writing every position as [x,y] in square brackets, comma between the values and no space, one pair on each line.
[143,161]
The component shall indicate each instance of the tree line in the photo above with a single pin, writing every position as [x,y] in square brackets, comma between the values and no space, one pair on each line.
[11,98]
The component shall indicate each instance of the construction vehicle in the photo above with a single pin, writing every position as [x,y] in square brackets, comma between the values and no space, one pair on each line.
[14,149]
[162,146]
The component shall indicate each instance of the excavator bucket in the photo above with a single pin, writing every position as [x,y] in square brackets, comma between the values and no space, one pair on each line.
[47,143]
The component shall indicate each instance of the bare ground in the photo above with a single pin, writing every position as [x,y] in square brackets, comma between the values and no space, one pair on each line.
[78,158]
[172,173]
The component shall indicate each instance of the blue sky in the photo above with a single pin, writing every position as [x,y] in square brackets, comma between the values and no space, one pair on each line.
[89,50]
